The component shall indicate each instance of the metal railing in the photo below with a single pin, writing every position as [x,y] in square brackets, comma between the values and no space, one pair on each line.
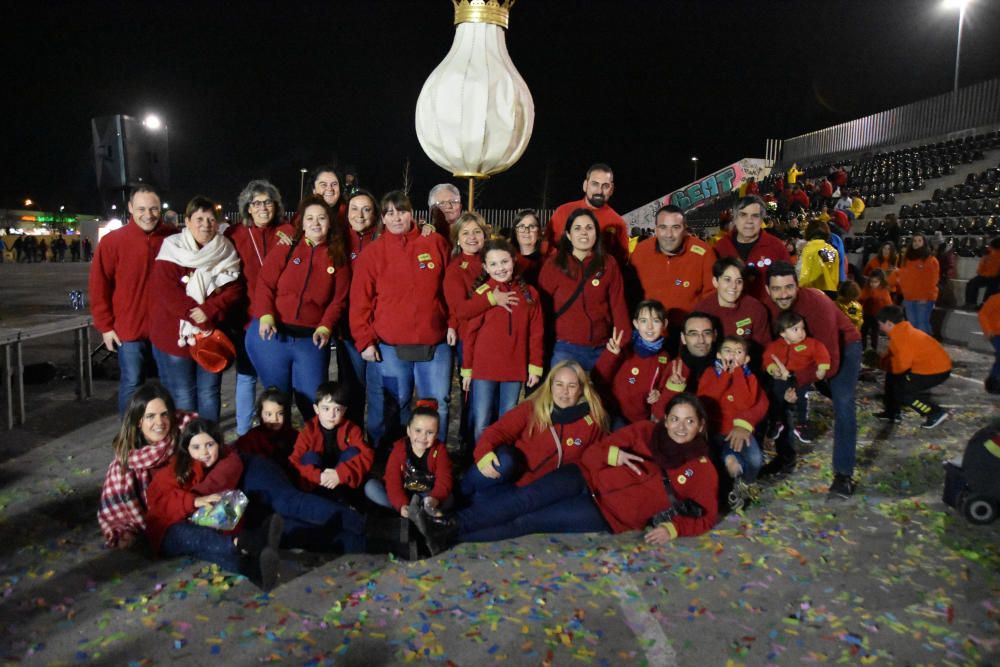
[501,219]
[973,106]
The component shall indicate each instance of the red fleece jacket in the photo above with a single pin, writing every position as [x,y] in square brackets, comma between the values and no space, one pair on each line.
[173,304]
[677,281]
[120,280]
[396,294]
[302,288]
[599,306]
[614,229]
[502,346]
[351,472]
[748,319]
[731,398]
[438,464]
[767,250]
[462,271]
[170,502]
[626,379]
[252,244]
[629,501]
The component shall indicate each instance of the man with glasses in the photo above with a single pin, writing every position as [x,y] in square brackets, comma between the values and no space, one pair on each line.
[445,204]
[598,187]
[697,348]
[119,300]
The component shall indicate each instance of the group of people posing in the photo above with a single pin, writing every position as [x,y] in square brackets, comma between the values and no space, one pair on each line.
[644,418]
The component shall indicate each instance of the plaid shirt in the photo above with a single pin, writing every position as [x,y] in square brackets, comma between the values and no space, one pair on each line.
[123,496]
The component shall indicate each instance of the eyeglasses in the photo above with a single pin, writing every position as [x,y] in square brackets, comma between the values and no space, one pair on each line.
[449,202]
[262,203]
[526,228]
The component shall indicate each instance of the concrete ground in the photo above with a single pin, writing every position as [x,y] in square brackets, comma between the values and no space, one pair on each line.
[891,577]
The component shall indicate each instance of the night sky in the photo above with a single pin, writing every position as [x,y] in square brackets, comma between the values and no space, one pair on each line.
[642,85]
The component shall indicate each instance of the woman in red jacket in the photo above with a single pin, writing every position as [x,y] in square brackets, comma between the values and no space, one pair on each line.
[586,293]
[398,311]
[301,295]
[526,479]
[917,279]
[526,235]
[503,346]
[655,476]
[260,214]
[196,284]
[200,472]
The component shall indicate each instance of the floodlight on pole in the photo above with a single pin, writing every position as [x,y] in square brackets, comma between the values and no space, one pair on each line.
[961,6]
[302,182]
[152,122]
[694,161]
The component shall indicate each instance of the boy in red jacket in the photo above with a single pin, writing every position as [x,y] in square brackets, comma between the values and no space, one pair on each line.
[631,375]
[791,353]
[735,404]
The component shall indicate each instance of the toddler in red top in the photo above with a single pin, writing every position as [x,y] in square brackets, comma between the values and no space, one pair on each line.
[200,472]
[735,404]
[874,297]
[418,467]
[792,354]
[330,454]
[273,437]
[630,376]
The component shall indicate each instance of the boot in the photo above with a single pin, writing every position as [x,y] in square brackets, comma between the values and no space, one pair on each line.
[259,550]
[387,533]
[439,533]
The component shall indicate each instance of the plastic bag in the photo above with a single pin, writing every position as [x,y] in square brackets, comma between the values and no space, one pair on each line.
[223,515]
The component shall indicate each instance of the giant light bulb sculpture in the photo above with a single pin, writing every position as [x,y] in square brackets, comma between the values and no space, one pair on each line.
[475,113]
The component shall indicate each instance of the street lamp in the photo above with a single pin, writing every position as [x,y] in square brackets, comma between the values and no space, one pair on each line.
[694,161]
[152,122]
[28,202]
[960,5]
[302,181]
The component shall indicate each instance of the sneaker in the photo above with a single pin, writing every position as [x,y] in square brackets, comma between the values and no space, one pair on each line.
[934,418]
[739,495]
[893,417]
[775,430]
[843,486]
[804,433]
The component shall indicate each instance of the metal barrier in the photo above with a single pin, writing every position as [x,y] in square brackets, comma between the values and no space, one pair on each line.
[11,341]
[972,107]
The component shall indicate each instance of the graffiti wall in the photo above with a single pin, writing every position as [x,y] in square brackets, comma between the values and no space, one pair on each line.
[702,191]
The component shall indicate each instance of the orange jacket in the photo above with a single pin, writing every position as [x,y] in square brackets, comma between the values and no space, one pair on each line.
[989,316]
[677,281]
[918,279]
[989,265]
[878,262]
[874,300]
[911,350]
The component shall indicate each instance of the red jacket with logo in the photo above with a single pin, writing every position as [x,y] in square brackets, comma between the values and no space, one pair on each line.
[544,450]
[462,271]
[749,318]
[626,380]
[252,244]
[173,304]
[302,287]
[170,502]
[397,295]
[677,281]
[803,359]
[731,398]
[767,250]
[502,346]
[120,280]
[629,501]
[351,472]
[438,464]
[599,306]
[613,228]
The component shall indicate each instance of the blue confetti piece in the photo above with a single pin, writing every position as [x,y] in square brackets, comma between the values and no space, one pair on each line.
[216,649]
[493,649]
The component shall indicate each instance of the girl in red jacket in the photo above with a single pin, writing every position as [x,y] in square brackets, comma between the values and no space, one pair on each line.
[632,375]
[198,474]
[418,473]
[301,295]
[656,476]
[503,346]
[874,297]
[585,291]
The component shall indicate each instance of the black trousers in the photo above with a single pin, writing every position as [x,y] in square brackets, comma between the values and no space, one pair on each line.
[907,389]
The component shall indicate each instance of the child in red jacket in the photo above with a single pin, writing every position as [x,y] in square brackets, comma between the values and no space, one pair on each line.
[793,353]
[874,297]
[503,347]
[735,405]
[631,376]
[273,437]
[418,467]
[200,472]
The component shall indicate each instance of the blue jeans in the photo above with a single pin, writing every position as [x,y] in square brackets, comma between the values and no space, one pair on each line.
[490,400]
[187,539]
[193,388]
[375,492]
[919,314]
[310,521]
[845,419]
[559,502]
[585,355]
[352,368]
[133,356]
[750,457]
[432,380]
[475,482]
[289,362]
[246,402]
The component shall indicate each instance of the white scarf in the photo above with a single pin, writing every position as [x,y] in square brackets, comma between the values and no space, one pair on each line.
[215,264]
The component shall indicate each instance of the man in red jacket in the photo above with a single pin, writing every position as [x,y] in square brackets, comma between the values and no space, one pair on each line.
[598,187]
[119,301]
[757,248]
[828,324]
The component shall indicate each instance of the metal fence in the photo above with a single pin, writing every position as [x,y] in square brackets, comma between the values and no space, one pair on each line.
[501,219]
[972,107]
